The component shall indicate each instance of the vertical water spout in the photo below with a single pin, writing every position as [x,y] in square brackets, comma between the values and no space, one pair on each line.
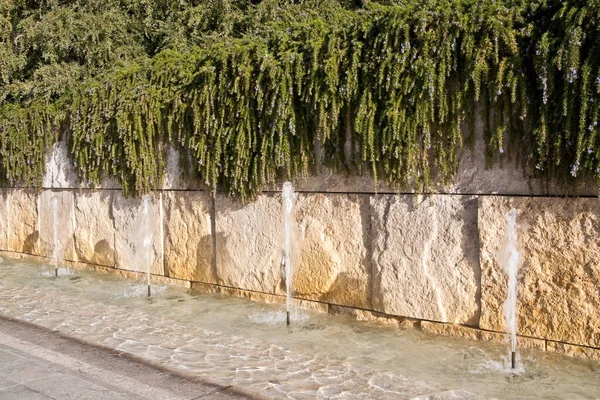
[148,236]
[162,233]
[288,207]
[55,244]
[508,258]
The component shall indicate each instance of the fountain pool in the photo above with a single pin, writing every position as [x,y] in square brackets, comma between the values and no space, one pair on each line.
[235,342]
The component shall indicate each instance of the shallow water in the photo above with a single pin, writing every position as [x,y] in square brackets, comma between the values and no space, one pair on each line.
[236,342]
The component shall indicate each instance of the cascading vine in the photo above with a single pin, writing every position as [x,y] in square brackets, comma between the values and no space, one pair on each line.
[383,89]
[566,90]
[25,133]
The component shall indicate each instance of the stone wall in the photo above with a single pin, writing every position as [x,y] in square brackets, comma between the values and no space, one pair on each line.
[422,260]
[430,260]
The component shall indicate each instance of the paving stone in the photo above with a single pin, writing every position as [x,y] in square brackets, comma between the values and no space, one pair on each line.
[22,370]
[68,387]
[6,383]
[20,392]
[59,367]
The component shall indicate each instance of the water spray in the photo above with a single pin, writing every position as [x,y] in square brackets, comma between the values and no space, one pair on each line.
[147,239]
[287,312]
[508,259]
[286,262]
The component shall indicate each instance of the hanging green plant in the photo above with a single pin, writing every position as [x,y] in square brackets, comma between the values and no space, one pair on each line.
[270,92]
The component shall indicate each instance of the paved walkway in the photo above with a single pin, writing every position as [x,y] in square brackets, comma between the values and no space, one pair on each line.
[37,363]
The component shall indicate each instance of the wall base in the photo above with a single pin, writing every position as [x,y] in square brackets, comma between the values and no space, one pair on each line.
[438,328]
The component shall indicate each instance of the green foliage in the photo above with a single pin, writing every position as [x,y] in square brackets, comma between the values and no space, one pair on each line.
[566,88]
[246,92]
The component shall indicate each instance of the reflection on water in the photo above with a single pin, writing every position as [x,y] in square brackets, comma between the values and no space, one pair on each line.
[235,342]
[279,317]
[139,290]
[59,271]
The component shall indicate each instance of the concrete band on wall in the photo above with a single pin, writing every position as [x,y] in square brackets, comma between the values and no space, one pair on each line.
[427,261]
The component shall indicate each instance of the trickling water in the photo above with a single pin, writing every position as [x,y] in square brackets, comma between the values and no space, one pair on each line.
[508,258]
[288,220]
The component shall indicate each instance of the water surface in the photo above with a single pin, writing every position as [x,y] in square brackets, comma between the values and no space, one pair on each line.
[233,341]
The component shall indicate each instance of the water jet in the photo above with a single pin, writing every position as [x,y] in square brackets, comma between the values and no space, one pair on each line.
[147,238]
[508,259]
[286,262]
[287,313]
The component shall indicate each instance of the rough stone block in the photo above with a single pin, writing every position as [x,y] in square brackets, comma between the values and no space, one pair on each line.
[132,228]
[175,178]
[188,238]
[330,181]
[249,240]
[59,170]
[477,334]
[559,276]
[574,351]
[95,228]
[333,240]
[505,175]
[19,221]
[56,211]
[365,315]
[425,257]
[173,174]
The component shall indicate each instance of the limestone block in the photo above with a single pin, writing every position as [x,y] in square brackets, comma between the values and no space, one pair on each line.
[559,276]
[132,229]
[504,176]
[425,257]
[188,238]
[175,176]
[575,187]
[334,267]
[19,221]
[106,182]
[477,334]
[59,170]
[329,181]
[95,228]
[574,351]
[312,306]
[370,316]
[56,220]
[249,240]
